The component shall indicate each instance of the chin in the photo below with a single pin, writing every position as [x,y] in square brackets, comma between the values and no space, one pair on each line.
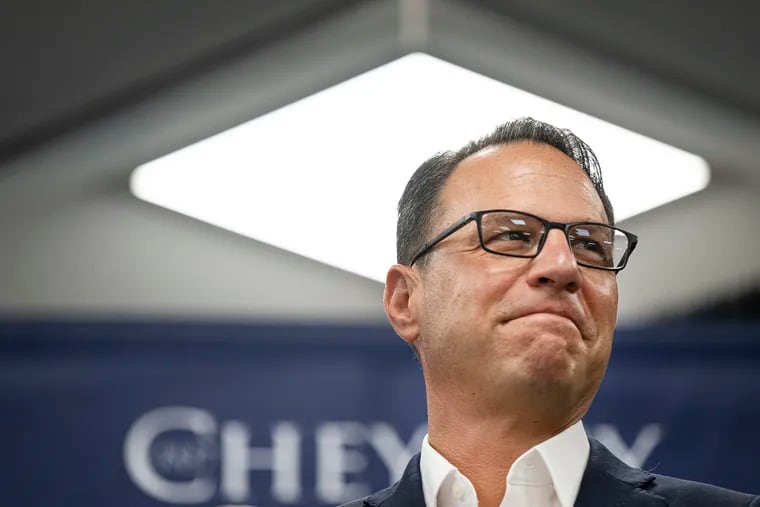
[556,347]
[550,366]
[555,392]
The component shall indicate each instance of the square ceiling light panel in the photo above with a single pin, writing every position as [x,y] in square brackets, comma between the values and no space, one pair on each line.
[321,177]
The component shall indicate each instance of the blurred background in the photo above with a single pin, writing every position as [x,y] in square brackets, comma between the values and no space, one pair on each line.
[151,359]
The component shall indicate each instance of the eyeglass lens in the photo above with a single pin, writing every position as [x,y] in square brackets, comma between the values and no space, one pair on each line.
[519,235]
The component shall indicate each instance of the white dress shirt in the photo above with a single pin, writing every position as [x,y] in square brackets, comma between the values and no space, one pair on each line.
[547,475]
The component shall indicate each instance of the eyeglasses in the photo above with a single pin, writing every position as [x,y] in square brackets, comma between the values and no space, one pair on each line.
[518,234]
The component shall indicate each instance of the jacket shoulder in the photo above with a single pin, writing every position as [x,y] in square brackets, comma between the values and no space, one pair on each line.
[682,493]
[607,478]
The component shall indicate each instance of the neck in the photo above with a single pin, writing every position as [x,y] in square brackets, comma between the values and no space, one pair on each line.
[483,444]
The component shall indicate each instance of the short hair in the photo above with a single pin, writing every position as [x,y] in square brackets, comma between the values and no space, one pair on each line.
[419,204]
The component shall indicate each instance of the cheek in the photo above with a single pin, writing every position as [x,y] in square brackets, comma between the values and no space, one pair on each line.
[499,276]
[476,283]
[603,303]
[603,308]
[458,303]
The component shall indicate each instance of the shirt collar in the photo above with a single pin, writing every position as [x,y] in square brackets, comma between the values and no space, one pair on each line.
[434,469]
[563,456]
[566,456]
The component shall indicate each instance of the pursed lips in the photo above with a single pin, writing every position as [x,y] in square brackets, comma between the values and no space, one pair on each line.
[560,310]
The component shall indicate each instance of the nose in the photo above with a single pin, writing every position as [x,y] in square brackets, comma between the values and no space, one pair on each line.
[555,266]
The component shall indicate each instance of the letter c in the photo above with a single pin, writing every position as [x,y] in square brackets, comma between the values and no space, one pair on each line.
[137,453]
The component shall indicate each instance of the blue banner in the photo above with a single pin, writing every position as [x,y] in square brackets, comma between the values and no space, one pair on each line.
[149,415]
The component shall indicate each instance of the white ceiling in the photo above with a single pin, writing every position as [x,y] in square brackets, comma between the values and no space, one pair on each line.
[75,243]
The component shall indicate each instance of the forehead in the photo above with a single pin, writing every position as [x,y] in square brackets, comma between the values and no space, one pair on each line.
[523,176]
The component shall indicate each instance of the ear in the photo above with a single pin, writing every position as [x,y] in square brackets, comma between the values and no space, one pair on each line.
[400,285]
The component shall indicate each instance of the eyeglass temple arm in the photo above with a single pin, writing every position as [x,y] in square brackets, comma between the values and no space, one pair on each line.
[443,234]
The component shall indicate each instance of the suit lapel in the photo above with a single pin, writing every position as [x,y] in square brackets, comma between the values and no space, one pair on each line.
[407,492]
[608,481]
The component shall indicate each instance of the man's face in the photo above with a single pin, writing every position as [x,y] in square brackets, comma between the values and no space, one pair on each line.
[495,326]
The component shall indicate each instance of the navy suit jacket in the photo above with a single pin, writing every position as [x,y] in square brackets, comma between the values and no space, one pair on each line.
[607,482]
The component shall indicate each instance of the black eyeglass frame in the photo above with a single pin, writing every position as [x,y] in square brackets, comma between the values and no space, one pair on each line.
[548,226]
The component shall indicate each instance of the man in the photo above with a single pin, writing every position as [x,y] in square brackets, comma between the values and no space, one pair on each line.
[506,289]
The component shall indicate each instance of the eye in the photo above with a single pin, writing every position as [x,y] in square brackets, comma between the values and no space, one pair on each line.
[589,250]
[511,233]
[589,245]
[523,236]
[511,241]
